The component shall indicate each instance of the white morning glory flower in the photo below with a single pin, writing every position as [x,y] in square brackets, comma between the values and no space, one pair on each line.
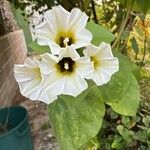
[67,72]
[62,28]
[104,63]
[31,81]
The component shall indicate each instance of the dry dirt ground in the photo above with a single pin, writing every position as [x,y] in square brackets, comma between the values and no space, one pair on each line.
[42,135]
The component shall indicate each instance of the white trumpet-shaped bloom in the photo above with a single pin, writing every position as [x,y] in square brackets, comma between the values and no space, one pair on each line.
[62,28]
[104,63]
[31,81]
[66,72]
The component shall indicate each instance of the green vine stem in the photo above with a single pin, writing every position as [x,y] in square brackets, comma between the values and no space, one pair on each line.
[145,40]
[123,25]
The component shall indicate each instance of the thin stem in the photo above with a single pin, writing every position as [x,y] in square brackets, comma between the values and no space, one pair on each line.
[142,62]
[123,25]
[130,26]
[94,11]
[82,5]
[145,40]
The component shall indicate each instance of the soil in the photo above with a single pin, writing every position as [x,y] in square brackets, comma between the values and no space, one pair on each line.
[3,128]
[42,133]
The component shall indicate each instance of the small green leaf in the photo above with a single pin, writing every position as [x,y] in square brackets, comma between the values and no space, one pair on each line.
[126,121]
[76,120]
[100,34]
[38,48]
[141,135]
[116,144]
[124,132]
[146,121]
[135,45]
[113,115]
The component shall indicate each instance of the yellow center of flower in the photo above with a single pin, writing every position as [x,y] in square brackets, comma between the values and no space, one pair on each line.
[96,61]
[66,65]
[65,38]
[37,73]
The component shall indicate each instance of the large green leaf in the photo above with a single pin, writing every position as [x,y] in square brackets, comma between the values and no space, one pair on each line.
[127,65]
[129,102]
[100,34]
[136,5]
[122,88]
[37,48]
[144,5]
[76,120]
[114,89]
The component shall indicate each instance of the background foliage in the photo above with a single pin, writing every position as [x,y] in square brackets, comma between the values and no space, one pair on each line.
[129,24]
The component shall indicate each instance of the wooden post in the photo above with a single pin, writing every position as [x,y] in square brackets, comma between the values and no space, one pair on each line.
[7,21]
[13,50]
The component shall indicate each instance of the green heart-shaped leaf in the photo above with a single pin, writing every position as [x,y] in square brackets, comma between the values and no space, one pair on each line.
[100,34]
[76,120]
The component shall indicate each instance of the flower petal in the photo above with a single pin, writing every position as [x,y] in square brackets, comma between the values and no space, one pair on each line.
[102,75]
[28,71]
[74,85]
[77,20]
[31,81]
[29,62]
[83,38]
[23,73]
[48,63]
[55,48]
[106,66]
[59,25]
[106,51]
[56,16]
[96,77]
[30,89]
[84,66]
[70,85]
[28,78]
[44,33]
[90,50]
[56,85]
[69,51]
[65,83]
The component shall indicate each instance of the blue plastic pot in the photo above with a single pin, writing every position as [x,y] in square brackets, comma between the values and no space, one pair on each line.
[18,135]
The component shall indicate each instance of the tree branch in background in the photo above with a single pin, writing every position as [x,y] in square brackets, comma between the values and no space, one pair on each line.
[123,25]
[7,21]
[94,11]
